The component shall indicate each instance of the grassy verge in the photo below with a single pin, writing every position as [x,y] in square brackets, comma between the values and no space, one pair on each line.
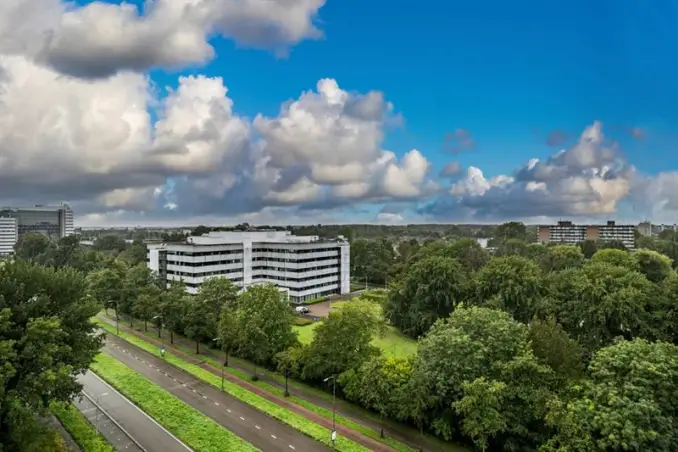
[81,430]
[193,428]
[284,415]
[348,407]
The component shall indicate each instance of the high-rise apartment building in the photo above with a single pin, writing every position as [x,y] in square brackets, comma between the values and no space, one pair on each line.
[53,222]
[569,233]
[305,267]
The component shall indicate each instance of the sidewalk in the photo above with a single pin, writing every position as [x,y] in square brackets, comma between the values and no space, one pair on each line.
[358,437]
[394,429]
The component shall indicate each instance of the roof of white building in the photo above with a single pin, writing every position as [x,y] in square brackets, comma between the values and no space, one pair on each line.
[232,237]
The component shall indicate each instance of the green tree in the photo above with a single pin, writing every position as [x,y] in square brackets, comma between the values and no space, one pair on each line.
[474,346]
[265,323]
[511,283]
[588,248]
[615,257]
[511,230]
[197,323]
[33,247]
[173,303]
[379,384]
[601,301]
[214,293]
[46,340]
[105,286]
[134,254]
[371,260]
[110,242]
[343,341]
[229,329]
[560,257]
[288,363]
[512,247]
[147,306]
[431,289]
[629,402]
[655,266]
[552,346]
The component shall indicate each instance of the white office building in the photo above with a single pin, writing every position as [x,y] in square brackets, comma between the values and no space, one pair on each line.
[9,234]
[53,222]
[305,267]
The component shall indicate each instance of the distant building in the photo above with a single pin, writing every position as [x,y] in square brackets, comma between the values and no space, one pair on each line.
[305,267]
[645,229]
[569,233]
[53,222]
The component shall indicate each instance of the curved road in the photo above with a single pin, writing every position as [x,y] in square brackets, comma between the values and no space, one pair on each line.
[121,422]
[252,425]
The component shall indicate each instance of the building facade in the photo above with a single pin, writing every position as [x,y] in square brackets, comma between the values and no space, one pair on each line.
[569,233]
[53,222]
[305,267]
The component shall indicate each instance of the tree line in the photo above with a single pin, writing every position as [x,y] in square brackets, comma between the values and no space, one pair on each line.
[550,348]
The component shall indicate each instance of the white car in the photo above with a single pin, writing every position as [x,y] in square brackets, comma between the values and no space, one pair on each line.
[302,310]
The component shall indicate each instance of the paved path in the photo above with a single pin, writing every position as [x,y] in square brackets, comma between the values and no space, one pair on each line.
[401,432]
[121,422]
[252,425]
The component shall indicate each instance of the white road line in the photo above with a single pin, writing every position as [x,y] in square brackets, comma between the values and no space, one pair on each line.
[194,391]
[216,403]
[143,412]
[242,418]
[257,427]
[291,447]
[183,384]
[274,437]
[228,410]
[204,397]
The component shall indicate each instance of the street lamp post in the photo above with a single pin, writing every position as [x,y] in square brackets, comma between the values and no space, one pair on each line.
[333,435]
[287,374]
[223,364]
[162,344]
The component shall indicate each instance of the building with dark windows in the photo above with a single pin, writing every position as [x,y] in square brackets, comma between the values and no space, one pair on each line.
[568,233]
[53,222]
[305,267]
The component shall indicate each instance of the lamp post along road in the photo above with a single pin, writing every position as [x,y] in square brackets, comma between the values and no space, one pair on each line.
[162,350]
[223,364]
[333,435]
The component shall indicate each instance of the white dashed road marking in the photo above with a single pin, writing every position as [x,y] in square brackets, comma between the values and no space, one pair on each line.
[184,385]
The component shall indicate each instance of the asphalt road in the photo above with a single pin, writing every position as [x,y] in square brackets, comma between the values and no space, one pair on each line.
[252,425]
[122,423]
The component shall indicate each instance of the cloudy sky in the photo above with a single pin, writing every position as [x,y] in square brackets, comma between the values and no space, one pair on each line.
[304,111]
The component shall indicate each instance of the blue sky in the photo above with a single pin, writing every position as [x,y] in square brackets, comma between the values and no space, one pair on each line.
[521,80]
[509,72]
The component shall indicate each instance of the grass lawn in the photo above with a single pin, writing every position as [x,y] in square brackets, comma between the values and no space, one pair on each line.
[195,429]
[264,405]
[393,343]
[81,430]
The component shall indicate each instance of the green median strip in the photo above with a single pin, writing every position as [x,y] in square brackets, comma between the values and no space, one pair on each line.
[81,430]
[284,415]
[327,414]
[193,428]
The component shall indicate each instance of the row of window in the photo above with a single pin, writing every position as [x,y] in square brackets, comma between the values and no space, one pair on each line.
[294,251]
[293,261]
[333,276]
[292,270]
[229,272]
[203,264]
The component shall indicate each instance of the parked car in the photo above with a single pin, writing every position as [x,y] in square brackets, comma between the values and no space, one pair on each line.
[302,310]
